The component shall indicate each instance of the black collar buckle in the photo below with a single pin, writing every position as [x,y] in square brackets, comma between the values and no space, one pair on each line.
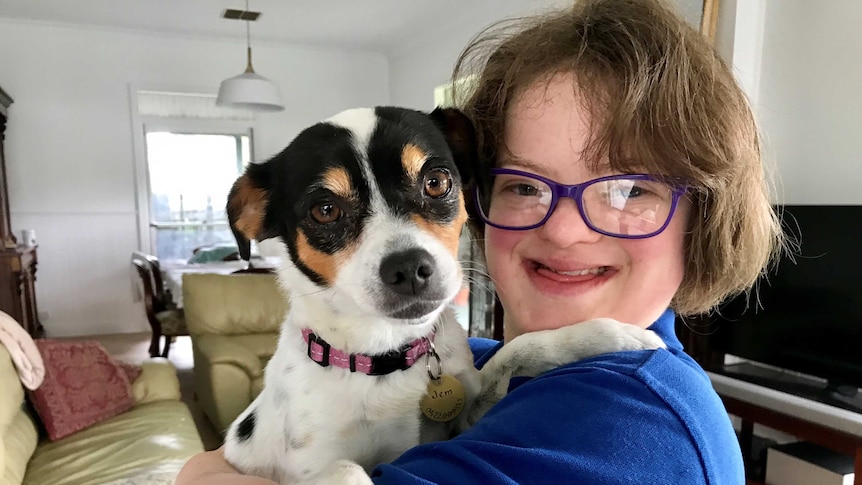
[324,357]
[388,363]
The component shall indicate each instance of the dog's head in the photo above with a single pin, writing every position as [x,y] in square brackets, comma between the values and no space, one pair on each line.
[369,207]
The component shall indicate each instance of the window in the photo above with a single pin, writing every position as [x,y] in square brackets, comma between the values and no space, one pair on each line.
[190,175]
[189,153]
[444,95]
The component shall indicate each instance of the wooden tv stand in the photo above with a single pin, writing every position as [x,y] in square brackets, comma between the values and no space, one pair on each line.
[834,428]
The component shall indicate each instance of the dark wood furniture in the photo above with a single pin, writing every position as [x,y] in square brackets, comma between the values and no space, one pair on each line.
[17,262]
[165,319]
[805,430]
[770,413]
[824,425]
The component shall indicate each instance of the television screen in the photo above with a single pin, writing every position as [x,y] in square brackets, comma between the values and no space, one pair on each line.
[806,315]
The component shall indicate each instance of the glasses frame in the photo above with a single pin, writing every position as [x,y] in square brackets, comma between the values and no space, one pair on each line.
[576,192]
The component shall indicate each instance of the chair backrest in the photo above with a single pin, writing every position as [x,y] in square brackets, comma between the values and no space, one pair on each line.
[233,304]
[150,273]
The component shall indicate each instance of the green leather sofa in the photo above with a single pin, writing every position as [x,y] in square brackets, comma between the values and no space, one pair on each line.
[233,321]
[147,444]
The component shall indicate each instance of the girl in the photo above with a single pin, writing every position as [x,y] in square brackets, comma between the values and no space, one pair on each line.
[622,178]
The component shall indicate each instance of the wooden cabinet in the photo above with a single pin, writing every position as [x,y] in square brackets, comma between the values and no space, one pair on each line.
[18,291]
[17,262]
[828,426]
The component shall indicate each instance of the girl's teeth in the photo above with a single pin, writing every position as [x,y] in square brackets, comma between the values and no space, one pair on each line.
[583,272]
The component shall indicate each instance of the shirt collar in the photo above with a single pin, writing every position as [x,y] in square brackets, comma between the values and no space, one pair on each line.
[665,327]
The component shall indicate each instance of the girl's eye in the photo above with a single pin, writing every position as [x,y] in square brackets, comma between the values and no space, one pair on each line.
[525,189]
[521,189]
[631,192]
[325,212]
[437,183]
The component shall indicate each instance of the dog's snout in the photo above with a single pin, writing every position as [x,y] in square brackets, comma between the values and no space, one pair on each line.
[407,272]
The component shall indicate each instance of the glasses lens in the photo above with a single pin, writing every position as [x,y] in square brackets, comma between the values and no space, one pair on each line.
[628,206]
[516,201]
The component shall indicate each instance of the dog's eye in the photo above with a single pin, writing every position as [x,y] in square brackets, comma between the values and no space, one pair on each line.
[437,183]
[325,212]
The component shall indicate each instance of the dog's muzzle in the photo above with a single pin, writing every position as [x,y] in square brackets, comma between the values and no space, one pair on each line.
[407,273]
[411,283]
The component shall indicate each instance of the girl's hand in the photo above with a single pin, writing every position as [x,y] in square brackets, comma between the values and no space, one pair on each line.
[211,468]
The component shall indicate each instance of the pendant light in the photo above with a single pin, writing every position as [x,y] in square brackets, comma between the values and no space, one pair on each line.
[249,90]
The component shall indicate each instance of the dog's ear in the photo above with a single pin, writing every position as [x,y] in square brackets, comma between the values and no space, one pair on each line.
[461,137]
[247,204]
[463,141]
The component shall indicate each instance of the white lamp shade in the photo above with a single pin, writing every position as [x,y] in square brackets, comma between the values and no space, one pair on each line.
[251,91]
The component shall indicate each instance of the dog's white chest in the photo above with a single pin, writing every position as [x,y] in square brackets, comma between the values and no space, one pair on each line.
[309,416]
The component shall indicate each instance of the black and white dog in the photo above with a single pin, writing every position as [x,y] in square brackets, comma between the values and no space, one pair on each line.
[369,207]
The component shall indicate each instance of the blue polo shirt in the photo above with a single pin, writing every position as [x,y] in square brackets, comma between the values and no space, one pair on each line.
[639,417]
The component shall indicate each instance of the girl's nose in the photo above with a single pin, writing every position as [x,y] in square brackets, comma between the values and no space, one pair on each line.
[566,226]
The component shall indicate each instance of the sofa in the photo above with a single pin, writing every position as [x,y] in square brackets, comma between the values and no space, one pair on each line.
[146,445]
[233,321]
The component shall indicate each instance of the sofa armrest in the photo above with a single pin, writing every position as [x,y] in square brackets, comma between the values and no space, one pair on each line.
[221,349]
[158,382]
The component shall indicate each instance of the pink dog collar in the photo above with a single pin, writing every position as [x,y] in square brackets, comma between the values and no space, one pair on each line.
[373,365]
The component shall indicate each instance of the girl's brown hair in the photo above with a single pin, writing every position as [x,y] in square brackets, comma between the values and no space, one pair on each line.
[662,101]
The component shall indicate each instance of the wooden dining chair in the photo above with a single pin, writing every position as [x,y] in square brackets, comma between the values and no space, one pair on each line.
[165,319]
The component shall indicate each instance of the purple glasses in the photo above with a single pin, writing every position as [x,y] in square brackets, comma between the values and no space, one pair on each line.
[624,206]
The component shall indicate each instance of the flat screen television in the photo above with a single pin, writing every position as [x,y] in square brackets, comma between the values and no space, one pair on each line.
[805,320]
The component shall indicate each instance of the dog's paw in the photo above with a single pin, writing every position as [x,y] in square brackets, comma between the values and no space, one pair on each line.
[588,339]
[605,335]
[534,353]
[344,472]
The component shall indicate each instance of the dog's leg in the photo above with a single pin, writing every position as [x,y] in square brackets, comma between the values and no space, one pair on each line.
[343,472]
[533,353]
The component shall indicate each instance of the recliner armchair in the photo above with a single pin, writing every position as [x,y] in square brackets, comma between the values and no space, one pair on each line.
[234,322]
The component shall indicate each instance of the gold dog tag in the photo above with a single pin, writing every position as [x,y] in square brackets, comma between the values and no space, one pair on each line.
[444,399]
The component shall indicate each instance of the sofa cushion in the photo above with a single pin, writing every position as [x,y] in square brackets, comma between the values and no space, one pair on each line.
[83,386]
[133,371]
[157,382]
[12,396]
[19,441]
[152,438]
[236,304]
[18,434]
[260,344]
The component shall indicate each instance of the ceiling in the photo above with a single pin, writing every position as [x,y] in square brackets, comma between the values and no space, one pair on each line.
[377,25]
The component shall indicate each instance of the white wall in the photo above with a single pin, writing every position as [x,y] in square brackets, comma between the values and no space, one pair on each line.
[810,99]
[427,61]
[69,144]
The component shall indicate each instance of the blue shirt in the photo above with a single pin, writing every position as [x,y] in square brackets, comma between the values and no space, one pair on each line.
[639,417]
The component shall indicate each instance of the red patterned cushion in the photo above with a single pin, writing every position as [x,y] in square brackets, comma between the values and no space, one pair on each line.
[133,371]
[83,386]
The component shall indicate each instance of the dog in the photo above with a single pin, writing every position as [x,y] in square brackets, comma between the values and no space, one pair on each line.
[369,206]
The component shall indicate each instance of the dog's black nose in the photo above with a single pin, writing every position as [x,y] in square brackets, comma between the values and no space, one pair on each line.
[407,272]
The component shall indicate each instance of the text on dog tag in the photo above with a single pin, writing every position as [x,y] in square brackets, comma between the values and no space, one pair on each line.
[444,399]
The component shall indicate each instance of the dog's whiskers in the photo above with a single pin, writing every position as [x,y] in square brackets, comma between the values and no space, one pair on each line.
[294,295]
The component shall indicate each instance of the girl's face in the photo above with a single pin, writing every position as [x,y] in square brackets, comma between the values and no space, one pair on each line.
[563,272]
